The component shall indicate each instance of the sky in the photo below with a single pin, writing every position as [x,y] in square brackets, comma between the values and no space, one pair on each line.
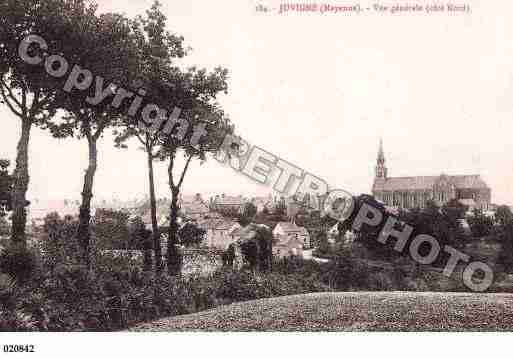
[320,90]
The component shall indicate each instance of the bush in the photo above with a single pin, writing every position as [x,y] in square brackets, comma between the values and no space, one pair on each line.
[58,242]
[236,286]
[19,262]
[5,228]
[116,293]
[112,231]
[345,273]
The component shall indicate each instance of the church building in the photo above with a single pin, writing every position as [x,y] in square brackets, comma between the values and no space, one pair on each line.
[414,192]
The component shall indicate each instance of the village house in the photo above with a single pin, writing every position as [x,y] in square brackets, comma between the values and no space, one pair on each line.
[287,248]
[262,203]
[333,234]
[39,209]
[303,203]
[162,215]
[227,205]
[162,220]
[290,239]
[220,233]
[190,208]
[194,208]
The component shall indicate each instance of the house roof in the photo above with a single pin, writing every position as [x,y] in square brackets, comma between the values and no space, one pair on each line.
[191,198]
[218,224]
[229,201]
[248,232]
[264,201]
[427,182]
[39,209]
[236,231]
[194,208]
[162,219]
[289,227]
[291,243]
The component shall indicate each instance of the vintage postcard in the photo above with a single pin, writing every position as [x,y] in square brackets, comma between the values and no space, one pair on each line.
[234,166]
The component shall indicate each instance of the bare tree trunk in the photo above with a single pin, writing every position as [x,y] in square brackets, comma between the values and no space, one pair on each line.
[153,209]
[147,246]
[20,186]
[83,232]
[174,256]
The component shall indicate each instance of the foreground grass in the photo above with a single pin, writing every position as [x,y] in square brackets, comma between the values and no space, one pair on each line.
[352,311]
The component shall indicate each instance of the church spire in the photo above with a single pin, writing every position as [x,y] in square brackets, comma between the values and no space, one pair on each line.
[381,154]
[381,170]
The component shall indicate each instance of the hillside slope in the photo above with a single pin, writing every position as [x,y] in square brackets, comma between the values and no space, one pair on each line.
[352,311]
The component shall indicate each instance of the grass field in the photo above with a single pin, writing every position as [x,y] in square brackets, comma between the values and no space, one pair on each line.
[353,311]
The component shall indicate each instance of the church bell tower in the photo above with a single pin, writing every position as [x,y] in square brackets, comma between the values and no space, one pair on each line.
[381,170]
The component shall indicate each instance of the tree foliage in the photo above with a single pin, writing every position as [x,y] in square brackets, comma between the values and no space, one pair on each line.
[6,183]
[191,235]
[58,243]
[194,92]
[480,224]
[111,229]
[27,89]
[441,223]
[503,216]
[157,49]
[248,214]
[105,50]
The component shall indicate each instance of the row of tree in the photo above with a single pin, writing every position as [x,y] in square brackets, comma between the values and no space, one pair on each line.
[138,54]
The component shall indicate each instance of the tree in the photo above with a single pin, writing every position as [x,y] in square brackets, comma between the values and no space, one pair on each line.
[480,224]
[280,208]
[6,182]
[322,244]
[58,242]
[5,228]
[504,232]
[249,212]
[453,212]
[24,88]
[196,125]
[140,238]
[157,47]
[218,125]
[256,241]
[441,223]
[191,235]
[506,238]
[111,229]
[503,216]
[105,49]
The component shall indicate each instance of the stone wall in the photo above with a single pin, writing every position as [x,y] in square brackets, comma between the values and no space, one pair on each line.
[195,261]
[201,261]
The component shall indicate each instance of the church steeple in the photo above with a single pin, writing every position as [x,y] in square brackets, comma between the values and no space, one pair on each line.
[381,170]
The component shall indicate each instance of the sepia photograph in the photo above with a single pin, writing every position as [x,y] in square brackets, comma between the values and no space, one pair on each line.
[182,172]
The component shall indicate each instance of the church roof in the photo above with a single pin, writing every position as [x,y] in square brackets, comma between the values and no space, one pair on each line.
[427,182]
[469,202]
